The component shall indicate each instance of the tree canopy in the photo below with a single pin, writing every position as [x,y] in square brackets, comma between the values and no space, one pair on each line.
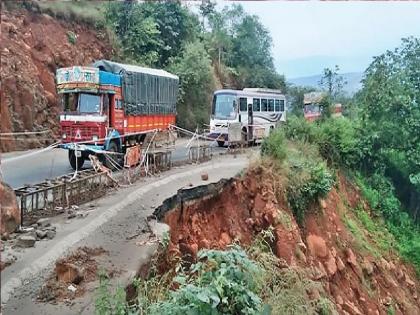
[166,34]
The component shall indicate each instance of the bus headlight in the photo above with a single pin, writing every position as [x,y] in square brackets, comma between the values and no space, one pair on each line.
[64,136]
[95,138]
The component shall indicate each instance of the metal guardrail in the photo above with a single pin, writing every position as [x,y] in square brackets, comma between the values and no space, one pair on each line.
[200,153]
[87,185]
[62,191]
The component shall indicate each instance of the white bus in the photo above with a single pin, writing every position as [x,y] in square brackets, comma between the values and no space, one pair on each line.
[257,110]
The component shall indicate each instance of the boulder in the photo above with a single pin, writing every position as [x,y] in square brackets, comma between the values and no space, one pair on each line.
[41,234]
[317,246]
[367,267]
[26,241]
[340,264]
[351,308]
[9,210]
[44,222]
[331,266]
[351,257]
[204,176]
[225,239]
[68,272]
[51,234]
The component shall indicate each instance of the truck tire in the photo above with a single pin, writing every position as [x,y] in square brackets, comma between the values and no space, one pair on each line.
[73,160]
[220,143]
[113,147]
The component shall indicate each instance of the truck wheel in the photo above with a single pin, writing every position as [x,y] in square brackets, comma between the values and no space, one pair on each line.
[73,160]
[113,147]
[221,143]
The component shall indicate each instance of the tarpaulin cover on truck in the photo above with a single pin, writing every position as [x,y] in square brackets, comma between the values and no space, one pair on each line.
[145,91]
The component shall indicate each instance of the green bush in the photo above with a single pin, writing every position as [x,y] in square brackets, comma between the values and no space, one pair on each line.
[308,181]
[297,128]
[221,282]
[108,303]
[338,142]
[380,194]
[71,37]
[274,146]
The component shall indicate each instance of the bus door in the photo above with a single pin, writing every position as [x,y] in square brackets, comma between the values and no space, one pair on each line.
[250,120]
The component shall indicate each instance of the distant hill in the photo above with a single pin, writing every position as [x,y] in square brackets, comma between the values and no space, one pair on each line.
[353,81]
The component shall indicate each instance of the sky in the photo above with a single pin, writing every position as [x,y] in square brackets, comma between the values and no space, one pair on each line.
[309,36]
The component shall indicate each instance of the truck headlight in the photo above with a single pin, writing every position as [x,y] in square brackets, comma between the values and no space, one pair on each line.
[95,138]
[64,136]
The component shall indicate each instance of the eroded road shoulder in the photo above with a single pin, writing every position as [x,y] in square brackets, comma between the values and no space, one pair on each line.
[117,225]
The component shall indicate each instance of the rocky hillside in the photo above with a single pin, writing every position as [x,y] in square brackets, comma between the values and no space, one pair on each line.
[336,256]
[34,45]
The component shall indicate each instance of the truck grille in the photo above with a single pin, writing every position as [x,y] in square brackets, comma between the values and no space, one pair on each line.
[80,132]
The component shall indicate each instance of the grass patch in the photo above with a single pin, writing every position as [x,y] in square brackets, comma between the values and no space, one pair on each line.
[285,291]
[89,12]
[357,230]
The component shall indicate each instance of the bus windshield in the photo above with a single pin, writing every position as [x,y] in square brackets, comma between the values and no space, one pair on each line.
[224,106]
[89,103]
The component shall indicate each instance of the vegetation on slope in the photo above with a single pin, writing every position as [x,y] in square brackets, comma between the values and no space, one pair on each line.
[228,47]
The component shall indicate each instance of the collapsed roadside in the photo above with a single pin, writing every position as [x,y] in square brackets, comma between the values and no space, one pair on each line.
[288,236]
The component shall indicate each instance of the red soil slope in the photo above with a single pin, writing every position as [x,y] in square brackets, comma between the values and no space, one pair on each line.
[33,46]
[324,248]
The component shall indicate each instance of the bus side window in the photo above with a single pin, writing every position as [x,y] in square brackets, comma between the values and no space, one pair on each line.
[263,105]
[277,109]
[256,105]
[271,105]
[242,104]
[282,105]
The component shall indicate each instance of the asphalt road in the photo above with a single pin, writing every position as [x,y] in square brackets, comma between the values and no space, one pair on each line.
[38,167]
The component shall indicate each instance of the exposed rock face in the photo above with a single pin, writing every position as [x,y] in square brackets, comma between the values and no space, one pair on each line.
[9,210]
[33,47]
[317,246]
[349,275]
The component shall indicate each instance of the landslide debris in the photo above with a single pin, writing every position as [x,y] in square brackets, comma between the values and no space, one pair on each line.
[348,264]
[33,46]
[9,210]
[71,275]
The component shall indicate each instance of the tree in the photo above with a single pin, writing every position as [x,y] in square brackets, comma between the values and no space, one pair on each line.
[196,85]
[332,82]
[207,8]
[152,32]
[390,101]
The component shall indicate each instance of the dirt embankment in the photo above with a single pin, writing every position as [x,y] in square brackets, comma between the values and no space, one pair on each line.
[324,248]
[33,46]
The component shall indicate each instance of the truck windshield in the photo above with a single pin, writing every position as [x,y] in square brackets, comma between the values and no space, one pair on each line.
[89,103]
[224,106]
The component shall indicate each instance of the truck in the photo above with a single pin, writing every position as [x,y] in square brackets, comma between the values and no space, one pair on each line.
[108,107]
[312,106]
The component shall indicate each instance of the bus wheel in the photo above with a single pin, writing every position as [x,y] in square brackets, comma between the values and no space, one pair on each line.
[221,143]
[74,160]
[116,159]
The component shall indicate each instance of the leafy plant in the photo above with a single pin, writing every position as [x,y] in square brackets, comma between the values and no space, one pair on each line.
[274,146]
[71,36]
[308,181]
[221,282]
[108,303]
